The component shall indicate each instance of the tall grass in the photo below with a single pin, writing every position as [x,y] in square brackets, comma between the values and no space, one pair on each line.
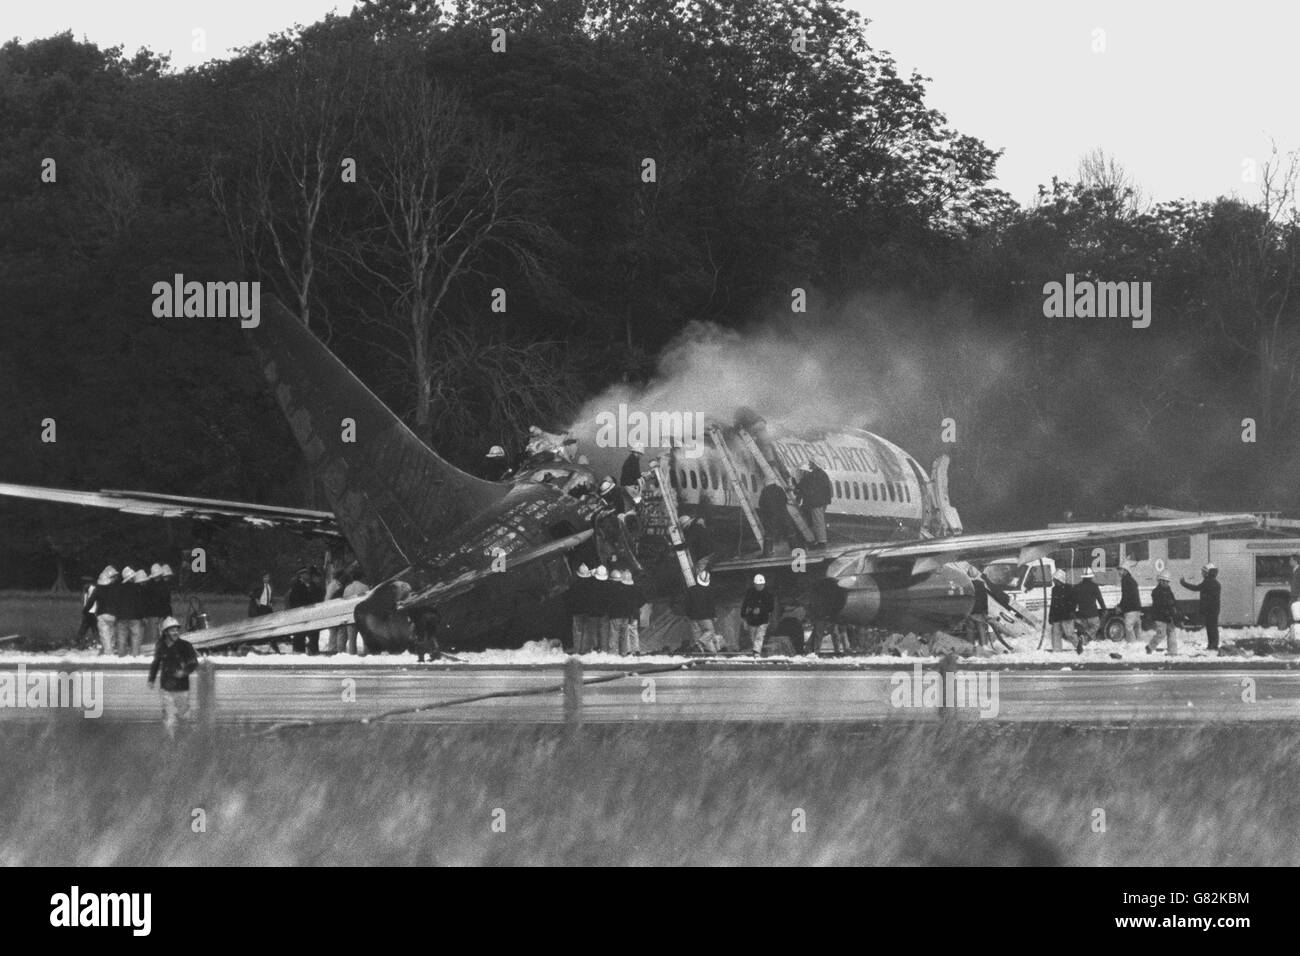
[77,792]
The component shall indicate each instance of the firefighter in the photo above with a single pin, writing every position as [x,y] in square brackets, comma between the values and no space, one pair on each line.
[300,595]
[1295,594]
[600,606]
[174,657]
[495,464]
[774,512]
[815,495]
[699,542]
[978,630]
[701,611]
[1164,611]
[630,476]
[633,600]
[579,608]
[1130,603]
[104,606]
[1060,613]
[1088,604]
[1210,589]
[131,612]
[756,613]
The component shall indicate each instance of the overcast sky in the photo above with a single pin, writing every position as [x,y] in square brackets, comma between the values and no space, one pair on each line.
[1183,95]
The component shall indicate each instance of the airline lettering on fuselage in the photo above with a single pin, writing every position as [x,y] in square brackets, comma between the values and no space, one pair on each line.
[843,458]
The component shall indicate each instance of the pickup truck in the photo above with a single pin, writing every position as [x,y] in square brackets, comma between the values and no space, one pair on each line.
[1030,587]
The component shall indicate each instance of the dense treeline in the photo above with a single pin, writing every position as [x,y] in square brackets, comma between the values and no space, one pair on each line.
[787,153]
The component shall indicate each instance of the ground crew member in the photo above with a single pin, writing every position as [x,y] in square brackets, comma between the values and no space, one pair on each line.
[130,612]
[630,476]
[815,495]
[1130,603]
[774,513]
[1088,604]
[174,657]
[756,613]
[1210,589]
[299,596]
[698,541]
[104,607]
[355,586]
[1164,611]
[157,604]
[600,607]
[1060,613]
[579,601]
[978,631]
[701,611]
[87,625]
[1295,594]
[633,599]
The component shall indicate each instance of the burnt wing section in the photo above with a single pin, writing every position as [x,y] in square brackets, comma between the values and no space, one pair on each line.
[392,495]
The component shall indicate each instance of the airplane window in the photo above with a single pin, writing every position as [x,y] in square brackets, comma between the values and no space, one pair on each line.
[838,492]
[889,486]
[908,489]
[713,477]
[672,475]
[683,474]
[875,491]
[857,490]
[694,480]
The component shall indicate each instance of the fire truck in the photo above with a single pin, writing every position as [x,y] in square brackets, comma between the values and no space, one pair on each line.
[1254,571]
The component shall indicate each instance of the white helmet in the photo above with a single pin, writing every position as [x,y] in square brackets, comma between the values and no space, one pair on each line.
[584,571]
[496,451]
[107,575]
[168,623]
[759,580]
[616,575]
[140,577]
[601,573]
[702,579]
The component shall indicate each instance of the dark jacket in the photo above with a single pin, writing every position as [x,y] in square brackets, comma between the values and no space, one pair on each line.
[601,598]
[130,602]
[299,594]
[176,660]
[255,609]
[757,606]
[699,541]
[158,598]
[631,473]
[627,602]
[1163,606]
[815,488]
[699,603]
[1210,589]
[580,596]
[1130,598]
[1062,606]
[982,589]
[773,504]
[104,598]
[1088,601]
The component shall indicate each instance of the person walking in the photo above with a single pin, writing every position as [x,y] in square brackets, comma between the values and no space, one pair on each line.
[1130,603]
[1164,612]
[1089,604]
[175,660]
[756,613]
[701,610]
[1060,613]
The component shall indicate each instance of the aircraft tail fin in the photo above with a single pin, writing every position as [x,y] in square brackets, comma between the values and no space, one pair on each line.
[392,495]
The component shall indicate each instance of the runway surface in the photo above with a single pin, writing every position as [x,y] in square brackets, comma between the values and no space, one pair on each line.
[703,692]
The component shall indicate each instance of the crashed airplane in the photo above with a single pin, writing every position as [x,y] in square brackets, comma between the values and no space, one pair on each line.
[468,564]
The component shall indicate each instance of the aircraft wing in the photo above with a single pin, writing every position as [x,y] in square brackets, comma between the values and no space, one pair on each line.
[922,555]
[446,589]
[280,625]
[172,506]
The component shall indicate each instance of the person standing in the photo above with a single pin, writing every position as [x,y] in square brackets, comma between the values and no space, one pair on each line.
[600,607]
[1060,613]
[630,476]
[633,599]
[1210,590]
[104,600]
[1164,611]
[175,659]
[299,596]
[261,600]
[756,613]
[579,607]
[1295,594]
[1130,603]
[496,467]
[131,612]
[978,629]
[701,610]
[774,513]
[353,587]
[1088,604]
[815,495]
